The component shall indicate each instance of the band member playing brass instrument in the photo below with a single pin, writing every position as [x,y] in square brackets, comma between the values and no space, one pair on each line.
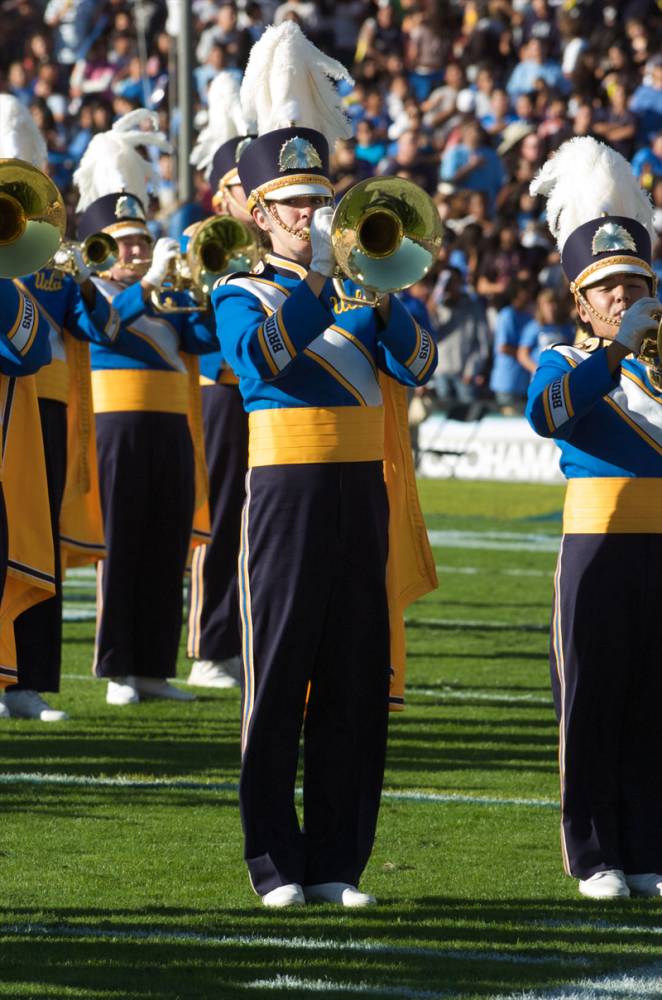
[148,428]
[603,406]
[322,391]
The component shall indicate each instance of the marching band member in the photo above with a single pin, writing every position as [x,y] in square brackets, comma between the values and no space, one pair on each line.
[145,391]
[603,406]
[38,631]
[315,531]
[213,631]
[26,540]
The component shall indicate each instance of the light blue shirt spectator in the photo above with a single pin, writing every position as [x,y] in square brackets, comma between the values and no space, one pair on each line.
[508,376]
[474,165]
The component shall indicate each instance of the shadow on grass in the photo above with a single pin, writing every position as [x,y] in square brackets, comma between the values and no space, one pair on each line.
[460,948]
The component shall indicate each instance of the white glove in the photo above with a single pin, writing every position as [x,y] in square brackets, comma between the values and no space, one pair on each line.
[165,251]
[323,260]
[63,259]
[638,322]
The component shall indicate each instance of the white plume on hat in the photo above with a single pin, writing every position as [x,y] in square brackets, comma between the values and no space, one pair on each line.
[225,120]
[288,81]
[20,137]
[112,162]
[587,179]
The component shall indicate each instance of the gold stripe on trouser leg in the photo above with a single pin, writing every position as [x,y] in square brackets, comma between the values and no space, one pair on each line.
[196,602]
[100,565]
[246,617]
[557,645]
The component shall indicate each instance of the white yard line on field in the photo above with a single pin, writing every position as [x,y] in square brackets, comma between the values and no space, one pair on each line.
[360,946]
[633,984]
[410,795]
[477,624]
[495,541]
[489,571]
[327,986]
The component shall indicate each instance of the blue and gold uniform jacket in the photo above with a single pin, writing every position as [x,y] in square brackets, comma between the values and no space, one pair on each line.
[147,365]
[63,310]
[609,431]
[292,349]
[24,342]
[324,381]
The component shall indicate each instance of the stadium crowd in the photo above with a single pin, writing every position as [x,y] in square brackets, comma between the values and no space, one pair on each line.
[465,97]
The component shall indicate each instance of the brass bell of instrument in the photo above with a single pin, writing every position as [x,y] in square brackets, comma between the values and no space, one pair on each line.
[217,246]
[99,252]
[386,235]
[651,354]
[32,218]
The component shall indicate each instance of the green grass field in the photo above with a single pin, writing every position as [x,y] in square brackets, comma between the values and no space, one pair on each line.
[121,844]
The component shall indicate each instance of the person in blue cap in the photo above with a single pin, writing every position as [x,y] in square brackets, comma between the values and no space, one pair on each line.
[601,401]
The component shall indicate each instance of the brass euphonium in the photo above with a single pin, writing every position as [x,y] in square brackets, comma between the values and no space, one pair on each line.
[32,218]
[217,246]
[99,252]
[386,235]
[651,354]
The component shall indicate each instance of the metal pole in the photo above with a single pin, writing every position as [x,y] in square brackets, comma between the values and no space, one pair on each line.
[185,100]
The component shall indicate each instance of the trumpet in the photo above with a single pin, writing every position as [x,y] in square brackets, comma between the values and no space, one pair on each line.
[217,246]
[386,235]
[32,218]
[99,252]
[651,354]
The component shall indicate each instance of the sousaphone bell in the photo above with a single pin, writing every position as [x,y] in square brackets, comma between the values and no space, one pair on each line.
[32,218]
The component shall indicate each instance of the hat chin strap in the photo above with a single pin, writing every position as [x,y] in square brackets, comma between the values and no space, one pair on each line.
[582,301]
[270,211]
[225,191]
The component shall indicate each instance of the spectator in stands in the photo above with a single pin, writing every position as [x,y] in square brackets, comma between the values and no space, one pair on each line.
[346,169]
[408,161]
[616,124]
[509,380]
[647,162]
[305,12]
[550,325]
[499,116]
[369,147]
[646,102]
[503,261]
[463,340]
[380,36]
[72,21]
[236,41]
[473,164]
[424,52]
[441,103]
[534,65]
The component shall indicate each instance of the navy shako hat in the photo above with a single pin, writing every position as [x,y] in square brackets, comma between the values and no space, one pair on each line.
[119,214]
[286,163]
[224,164]
[611,244]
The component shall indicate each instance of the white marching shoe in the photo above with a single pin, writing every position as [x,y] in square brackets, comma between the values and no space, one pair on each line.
[122,691]
[30,705]
[610,884]
[647,884]
[159,687]
[342,893]
[285,895]
[216,673]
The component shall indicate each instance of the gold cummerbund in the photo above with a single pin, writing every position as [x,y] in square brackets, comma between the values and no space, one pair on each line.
[53,381]
[616,506]
[139,389]
[304,435]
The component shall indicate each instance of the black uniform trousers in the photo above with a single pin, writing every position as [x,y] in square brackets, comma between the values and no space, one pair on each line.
[38,631]
[607,685]
[147,495]
[312,571]
[214,632]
